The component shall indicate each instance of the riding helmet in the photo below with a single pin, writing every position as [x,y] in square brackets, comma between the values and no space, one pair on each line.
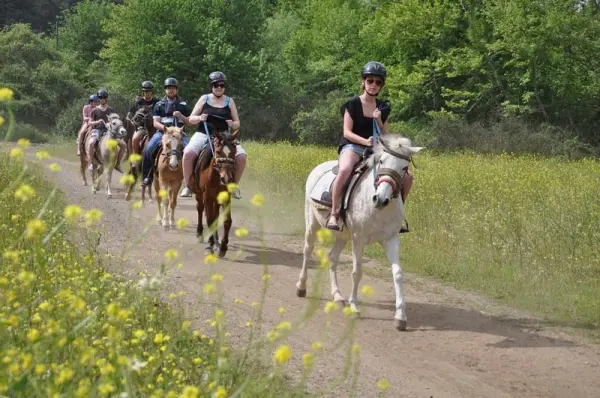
[375,69]
[171,81]
[217,77]
[103,93]
[147,85]
[93,98]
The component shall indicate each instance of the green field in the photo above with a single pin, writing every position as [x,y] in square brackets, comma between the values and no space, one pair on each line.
[523,230]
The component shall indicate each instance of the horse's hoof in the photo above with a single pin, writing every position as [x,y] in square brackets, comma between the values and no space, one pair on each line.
[209,250]
[108,196]
[94,191]
[340,303]
[400,325]
[127,197]
[85,183]
[301,292]
[222,253]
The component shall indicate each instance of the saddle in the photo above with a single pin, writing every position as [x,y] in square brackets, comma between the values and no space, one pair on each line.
[321,193]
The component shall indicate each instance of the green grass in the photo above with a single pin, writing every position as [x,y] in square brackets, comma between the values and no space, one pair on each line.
[523,230]
[71,328]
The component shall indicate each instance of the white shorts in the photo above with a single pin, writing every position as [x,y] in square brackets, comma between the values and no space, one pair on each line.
[199,141]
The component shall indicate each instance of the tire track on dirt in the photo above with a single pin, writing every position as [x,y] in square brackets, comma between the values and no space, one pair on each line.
[457,343]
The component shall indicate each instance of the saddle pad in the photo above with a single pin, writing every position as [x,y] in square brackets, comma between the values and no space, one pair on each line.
[321,192]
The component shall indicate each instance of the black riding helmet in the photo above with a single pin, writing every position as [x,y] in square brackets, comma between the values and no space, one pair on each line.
[374,68]
[103,93]
[93,98]
[217,77]
[147,85]
[171,81]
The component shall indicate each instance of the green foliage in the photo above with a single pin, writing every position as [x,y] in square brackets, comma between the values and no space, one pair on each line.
[43,84]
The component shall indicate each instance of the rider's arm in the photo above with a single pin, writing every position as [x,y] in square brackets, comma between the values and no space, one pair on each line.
[194,117]
[348,134]
[94,119]
[156,115]
[235,117]
[86,113]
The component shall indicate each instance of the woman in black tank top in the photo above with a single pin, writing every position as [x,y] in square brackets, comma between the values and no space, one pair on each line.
[359,113]
[218,104]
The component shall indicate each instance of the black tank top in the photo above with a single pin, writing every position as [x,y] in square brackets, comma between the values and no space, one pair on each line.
[224,112]
[362,125]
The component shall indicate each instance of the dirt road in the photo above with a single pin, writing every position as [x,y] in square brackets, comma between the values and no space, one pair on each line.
[457,344]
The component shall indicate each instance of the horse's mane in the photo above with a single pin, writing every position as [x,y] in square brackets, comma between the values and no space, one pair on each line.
[169,132]
[395,142]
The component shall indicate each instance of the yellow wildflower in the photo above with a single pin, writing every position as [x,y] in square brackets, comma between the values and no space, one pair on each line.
[231,187]
[162,193]
[330,307]
[317,345]
[258,200]
[26,277]
[112,144]
[355,349]
[221,392]
[383,384]
[135,158]
[17,153]
[33,334]
[6,94]
[24,143]
[137,205]
[324,236]
[248,324]
[55,167]
[64,376]
[182,223]
[209,288]
[72,213]
[266,277]
[40,369]
[238,301]
[281,310]
[223,197]
[11,256]
[42,155]
[308,360]
[106,389]
[34,227]
[282,355]
[190,392]
[210,259]
[241,232]
[367,290]
[171,254]
[92,216]
[127,179]
[216,277]
[284,325]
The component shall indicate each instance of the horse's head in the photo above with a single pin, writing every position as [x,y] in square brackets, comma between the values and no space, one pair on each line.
[142,119]
[116,127]
[225,151]
[172,145]
[392,156]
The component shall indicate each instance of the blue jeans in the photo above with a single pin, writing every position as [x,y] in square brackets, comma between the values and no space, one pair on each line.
[150,153]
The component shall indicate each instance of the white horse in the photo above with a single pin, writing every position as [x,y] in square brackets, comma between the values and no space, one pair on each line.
[375,214]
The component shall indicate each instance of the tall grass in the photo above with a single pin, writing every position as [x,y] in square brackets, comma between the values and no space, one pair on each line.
[521,229]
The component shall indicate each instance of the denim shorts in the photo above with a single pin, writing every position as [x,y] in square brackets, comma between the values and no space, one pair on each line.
[360,150]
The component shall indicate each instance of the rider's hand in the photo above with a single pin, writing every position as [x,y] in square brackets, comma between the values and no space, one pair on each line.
[370,141]
[229,123]
[177,114]
[203,117]
[377,114]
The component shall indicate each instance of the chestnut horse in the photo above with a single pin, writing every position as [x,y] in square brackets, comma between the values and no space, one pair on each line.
[212,172]
[168,175]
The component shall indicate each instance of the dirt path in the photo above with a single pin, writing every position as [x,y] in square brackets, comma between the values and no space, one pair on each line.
[457,343]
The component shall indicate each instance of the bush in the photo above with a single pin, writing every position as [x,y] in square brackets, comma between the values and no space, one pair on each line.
[25,130]
[323,124]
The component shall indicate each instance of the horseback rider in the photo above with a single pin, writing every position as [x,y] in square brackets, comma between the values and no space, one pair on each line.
[218,104]
[147,100]
[357,140]
[98,121]
[87,111]
[163,115]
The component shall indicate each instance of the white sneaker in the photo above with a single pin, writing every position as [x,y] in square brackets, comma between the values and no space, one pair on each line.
[236,194]
[186,193]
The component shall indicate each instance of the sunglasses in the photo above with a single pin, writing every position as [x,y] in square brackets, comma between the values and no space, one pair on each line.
[378,82]
[219,85]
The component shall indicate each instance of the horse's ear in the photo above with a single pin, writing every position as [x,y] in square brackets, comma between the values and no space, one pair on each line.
[415,149]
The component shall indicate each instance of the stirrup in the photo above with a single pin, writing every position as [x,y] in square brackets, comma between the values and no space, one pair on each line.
[336,226]
[404,230]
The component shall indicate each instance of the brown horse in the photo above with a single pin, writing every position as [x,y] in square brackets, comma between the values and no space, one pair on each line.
[104,156]
[141,120]
[211,175]
[168,175]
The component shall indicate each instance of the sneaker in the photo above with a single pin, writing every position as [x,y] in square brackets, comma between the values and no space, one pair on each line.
[147,182]
[236,194]
[78,152]
[186,193]
[91,167]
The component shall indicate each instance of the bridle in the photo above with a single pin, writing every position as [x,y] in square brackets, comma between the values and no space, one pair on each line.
[391,176]
[224,162]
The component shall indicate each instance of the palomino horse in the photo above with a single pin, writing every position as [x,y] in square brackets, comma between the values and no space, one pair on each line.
[168,175]
[141,120]
[373,212]
[211,176]
[104,155]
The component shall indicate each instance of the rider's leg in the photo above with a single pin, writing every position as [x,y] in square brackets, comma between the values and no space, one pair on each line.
[185,192]
[348,159]
[135,141]
[148,161]
[91,150]
[197,143]
[122,150]
[240,166]
[408,179]
[79,134]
